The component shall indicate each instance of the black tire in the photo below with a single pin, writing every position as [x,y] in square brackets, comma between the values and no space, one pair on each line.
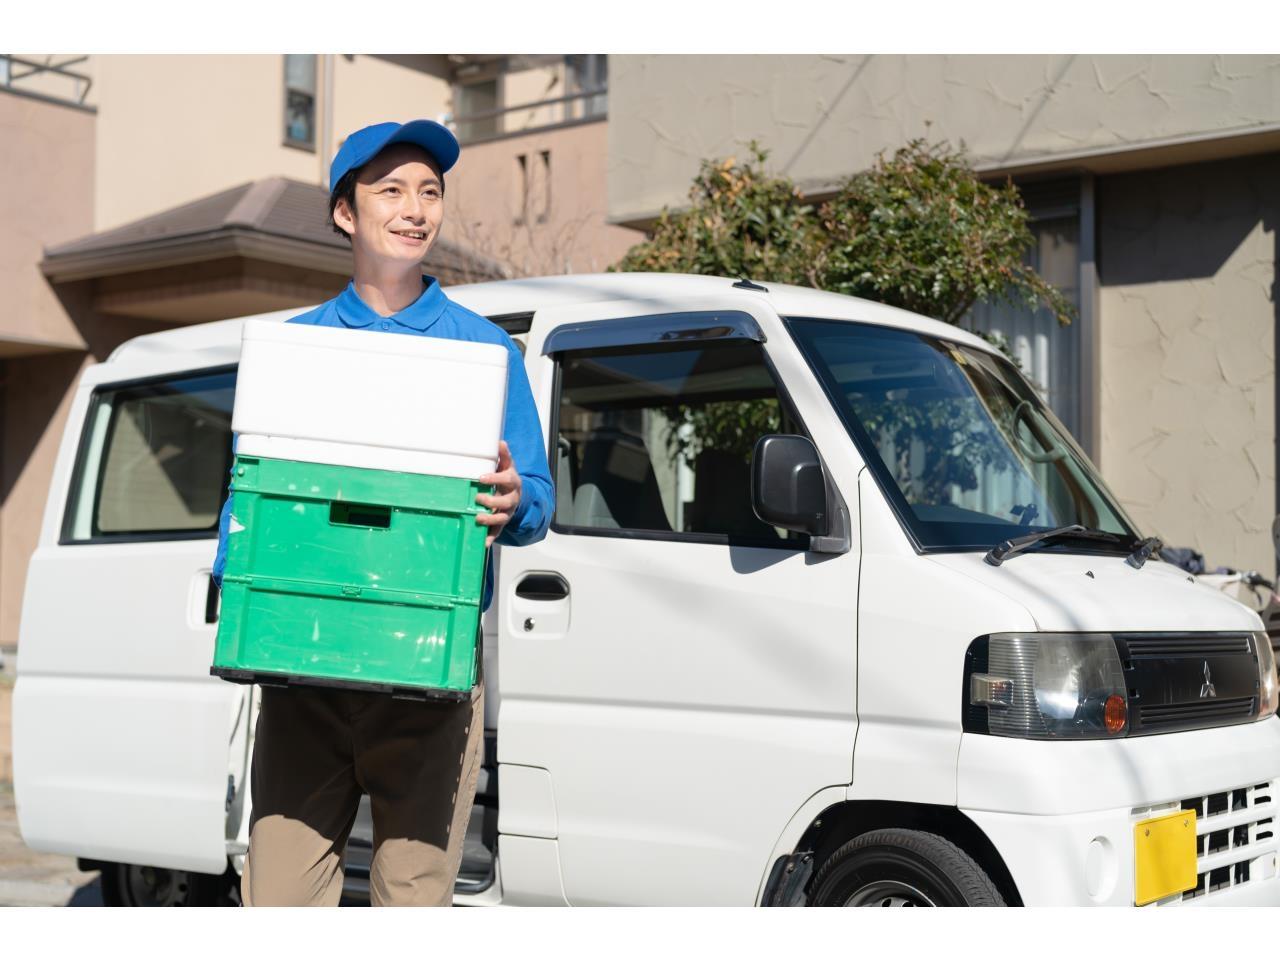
[902,868]
[129,885]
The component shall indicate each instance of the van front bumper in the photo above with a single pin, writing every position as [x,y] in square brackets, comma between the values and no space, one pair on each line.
[1063,815]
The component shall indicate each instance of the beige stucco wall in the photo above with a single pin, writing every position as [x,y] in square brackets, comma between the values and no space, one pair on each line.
[824,117]
[543,82]
[484,199]
[175,128]
[1188,320]
[373,90]
[46,166]
[172,129]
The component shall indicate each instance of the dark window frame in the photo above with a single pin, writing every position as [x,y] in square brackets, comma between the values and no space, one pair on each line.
[801,544]
[66,536]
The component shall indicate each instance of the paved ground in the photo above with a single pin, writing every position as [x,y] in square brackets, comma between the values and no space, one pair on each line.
[30,879]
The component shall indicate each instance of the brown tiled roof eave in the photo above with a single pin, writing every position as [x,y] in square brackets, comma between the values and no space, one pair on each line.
[276,220]
[195,248]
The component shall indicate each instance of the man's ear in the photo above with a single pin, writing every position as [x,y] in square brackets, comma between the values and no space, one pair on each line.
[342,216]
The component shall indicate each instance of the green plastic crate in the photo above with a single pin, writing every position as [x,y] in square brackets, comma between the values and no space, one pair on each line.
[343,576]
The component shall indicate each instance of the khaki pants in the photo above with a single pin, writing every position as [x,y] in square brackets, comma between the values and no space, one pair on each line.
[316,750]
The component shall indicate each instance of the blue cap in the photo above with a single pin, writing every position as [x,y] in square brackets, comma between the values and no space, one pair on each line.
[365,144]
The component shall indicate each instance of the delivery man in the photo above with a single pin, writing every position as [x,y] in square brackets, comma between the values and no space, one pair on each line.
[317,749]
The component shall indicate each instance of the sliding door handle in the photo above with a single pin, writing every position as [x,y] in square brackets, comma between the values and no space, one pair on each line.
[542,586]
[212,601]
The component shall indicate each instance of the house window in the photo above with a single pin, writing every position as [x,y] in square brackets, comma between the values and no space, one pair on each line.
[475,99]
[300,100]
[1048,353]
[587,73]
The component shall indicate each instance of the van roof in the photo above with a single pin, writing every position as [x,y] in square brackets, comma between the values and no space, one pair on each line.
[505,297]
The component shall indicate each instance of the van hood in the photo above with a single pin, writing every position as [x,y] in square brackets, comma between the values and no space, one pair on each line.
[1079,592]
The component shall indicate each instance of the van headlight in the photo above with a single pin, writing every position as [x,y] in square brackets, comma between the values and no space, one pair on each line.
[1268,688]
[1046,687]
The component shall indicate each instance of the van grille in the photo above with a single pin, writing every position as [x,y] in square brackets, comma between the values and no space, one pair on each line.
[1207,713]
[1186,646]
[1188,681]
[1236,842]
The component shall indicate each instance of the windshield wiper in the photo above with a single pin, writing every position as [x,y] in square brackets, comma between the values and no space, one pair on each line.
[1003,551]
[1142,552]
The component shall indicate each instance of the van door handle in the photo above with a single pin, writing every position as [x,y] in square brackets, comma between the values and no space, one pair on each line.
[542,586]
[211,602]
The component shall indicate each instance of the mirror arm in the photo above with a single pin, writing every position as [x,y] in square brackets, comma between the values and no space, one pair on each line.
[838,538]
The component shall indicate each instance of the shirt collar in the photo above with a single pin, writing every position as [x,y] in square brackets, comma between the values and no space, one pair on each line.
[419,315]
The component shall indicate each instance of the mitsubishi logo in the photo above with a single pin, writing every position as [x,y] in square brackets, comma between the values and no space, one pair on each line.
[1206,688]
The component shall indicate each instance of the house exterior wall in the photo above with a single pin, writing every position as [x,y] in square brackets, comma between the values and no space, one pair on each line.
[175,128]
[373,90]
[216,121]
[486,209]
[1187,260]
[46,167]
[824,117]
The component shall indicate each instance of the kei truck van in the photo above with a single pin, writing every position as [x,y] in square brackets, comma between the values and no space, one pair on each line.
[833,611]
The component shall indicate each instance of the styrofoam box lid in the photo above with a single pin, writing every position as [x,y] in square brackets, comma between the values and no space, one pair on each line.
[309,389]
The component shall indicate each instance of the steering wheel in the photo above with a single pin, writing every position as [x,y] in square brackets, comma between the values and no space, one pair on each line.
[1020,412]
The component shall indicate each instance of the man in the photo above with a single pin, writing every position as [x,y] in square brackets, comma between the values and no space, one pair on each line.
[318,748]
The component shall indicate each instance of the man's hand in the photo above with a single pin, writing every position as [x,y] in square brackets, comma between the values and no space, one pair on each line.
[505,498]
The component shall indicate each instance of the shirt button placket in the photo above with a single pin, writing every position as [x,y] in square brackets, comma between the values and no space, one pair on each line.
[385,325]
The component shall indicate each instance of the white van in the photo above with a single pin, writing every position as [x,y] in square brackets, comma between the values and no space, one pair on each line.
[940,670]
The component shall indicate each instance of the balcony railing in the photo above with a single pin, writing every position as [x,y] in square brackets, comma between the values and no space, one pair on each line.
[575,108]
[45,81]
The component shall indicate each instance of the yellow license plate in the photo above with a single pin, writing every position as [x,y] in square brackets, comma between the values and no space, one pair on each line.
[1164,856]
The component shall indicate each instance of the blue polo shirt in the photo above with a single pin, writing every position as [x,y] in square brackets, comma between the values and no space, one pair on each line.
[435,315]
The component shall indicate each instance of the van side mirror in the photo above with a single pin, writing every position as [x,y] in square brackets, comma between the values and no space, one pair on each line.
[788,487]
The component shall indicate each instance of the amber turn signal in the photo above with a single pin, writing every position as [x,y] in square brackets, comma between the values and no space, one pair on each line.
[1115,713]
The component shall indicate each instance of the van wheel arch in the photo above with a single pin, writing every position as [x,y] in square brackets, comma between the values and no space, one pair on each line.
[839,824]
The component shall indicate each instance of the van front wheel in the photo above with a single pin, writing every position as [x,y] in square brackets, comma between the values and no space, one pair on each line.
[902,868]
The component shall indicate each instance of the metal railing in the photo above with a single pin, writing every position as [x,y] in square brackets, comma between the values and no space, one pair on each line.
[28,77]
[574,108]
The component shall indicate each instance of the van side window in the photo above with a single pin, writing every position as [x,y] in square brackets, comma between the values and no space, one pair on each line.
[153,460]
[658,439]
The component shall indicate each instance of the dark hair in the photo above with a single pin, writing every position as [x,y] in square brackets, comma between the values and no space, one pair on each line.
[345,189]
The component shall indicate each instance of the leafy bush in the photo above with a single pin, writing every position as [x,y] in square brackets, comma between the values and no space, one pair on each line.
[740,223]
[917,230]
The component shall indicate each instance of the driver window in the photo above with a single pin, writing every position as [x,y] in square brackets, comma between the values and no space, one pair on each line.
[659,439]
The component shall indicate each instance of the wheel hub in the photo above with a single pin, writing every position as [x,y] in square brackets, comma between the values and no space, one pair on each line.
[156,887]
[888,893]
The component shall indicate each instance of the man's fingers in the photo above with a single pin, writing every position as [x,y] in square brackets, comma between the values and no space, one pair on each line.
[505,466]
[501,501]
[492,519]
[504,478]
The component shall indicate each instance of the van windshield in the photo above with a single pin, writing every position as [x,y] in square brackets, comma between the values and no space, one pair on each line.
[960,442]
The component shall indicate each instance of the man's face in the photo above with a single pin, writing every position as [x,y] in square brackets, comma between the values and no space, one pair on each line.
[399,205]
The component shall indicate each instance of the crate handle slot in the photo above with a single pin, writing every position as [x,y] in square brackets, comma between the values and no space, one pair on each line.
[360,515]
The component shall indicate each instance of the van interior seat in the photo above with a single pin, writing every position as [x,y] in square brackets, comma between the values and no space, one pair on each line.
[616,485]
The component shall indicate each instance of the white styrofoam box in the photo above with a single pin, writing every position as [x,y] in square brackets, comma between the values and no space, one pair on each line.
[370,399]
